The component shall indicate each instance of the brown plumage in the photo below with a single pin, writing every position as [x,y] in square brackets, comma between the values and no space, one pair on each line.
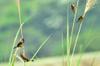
[20,43]
[73,7]
[21,52]
[80,19]
[25,59]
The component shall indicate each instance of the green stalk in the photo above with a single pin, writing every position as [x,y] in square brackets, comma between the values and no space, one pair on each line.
[73,25]
[14,57]
[81,51]
[13,61]
[14,42]
[80,57]
[76,40]
[68,44]
[19,16]
[16,36]
[62,45]
[41,47]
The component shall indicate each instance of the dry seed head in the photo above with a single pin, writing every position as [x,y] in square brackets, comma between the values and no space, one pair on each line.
[89,5]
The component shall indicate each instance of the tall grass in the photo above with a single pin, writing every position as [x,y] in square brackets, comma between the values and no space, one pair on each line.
[41,46]
[16,36]
[19,15]
[14,42]
[73,26]
[69,37]
[89,5]
[68,41]
[12,56]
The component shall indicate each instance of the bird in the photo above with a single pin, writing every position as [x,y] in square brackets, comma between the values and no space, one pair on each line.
[80,19]
[20,43]
[24,58]
[21,52]
[73,7]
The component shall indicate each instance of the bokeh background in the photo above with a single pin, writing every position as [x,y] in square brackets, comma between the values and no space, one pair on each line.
[43,18]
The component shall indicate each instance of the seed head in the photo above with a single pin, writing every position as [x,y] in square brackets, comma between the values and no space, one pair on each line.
[89,5]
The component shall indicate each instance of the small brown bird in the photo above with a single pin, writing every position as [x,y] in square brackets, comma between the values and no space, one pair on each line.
[24,58]
[20,43]
[80,19]
[20,51]
[73,7]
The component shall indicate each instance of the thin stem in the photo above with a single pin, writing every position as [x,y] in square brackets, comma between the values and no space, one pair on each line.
[73,25]
[14,57]
[76,40]
[41,47]
[62,45]
[80,56]
[14,42]
[68,49]
[16,36]
[19,14]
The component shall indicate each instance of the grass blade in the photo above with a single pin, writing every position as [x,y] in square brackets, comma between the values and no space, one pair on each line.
[41,47]
[14,42]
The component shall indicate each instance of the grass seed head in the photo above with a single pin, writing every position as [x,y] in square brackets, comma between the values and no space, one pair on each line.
[89,5]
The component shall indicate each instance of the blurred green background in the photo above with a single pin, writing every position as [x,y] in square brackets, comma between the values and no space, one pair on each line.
[46,17]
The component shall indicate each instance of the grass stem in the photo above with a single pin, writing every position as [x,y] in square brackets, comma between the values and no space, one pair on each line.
[41,47]
[68,44]
[76,40]
[19,14]
[73,23]
[14,42]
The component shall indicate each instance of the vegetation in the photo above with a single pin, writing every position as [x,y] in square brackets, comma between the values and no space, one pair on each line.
[38,19]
